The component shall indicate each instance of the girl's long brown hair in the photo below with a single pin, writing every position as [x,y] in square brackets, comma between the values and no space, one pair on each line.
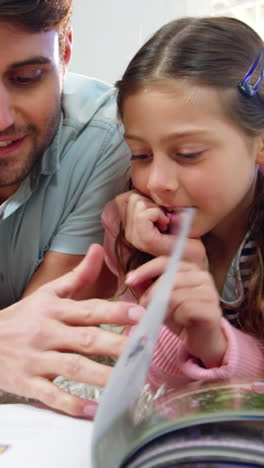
[216,52]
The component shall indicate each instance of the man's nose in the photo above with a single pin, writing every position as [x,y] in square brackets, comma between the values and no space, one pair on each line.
[6,112]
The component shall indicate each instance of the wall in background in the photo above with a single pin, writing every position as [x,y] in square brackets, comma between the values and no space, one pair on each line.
[106,33]
[249,11]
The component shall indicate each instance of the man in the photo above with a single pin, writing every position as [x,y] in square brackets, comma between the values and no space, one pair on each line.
[62,158]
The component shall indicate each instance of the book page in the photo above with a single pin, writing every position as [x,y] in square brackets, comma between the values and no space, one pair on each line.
[131,414]
[33,437]
[129,375]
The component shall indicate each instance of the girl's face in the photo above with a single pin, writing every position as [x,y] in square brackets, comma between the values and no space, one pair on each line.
[186,153]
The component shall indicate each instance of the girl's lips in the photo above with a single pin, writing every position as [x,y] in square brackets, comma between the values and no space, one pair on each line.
[175,221]
[175,217]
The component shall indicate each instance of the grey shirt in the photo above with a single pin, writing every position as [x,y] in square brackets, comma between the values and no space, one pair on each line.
[58,207]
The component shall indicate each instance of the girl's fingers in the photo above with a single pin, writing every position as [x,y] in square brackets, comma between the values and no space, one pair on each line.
[142,219]
[189,282]
[145,226]
[155,268]
[147,271]
[148,212]
[187,311]
[199,322]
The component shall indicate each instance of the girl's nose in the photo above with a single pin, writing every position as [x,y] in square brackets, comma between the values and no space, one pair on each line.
[163,177]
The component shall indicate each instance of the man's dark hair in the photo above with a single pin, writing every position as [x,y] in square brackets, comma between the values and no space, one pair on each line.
[38,15]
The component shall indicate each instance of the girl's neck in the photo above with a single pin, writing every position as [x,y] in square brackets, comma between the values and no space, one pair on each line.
[226,237]
[222,244]
[220,255]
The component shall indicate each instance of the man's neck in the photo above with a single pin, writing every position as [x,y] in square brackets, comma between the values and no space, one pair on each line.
[7,192]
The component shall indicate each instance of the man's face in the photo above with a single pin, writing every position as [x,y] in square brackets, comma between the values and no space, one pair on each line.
[31,78]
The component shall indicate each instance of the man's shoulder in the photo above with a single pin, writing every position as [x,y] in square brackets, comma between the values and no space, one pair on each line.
[86,99]
[84,86]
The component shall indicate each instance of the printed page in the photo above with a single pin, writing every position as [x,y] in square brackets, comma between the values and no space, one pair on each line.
[32,437]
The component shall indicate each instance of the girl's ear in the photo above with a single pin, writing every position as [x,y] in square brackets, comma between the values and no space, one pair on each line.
[260,152]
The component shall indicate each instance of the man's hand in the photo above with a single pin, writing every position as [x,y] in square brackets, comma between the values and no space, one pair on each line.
[40,335]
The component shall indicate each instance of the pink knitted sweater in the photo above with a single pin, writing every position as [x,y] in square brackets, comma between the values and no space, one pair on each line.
[171,362]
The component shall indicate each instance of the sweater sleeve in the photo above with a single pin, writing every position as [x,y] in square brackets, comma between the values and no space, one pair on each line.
[244,357]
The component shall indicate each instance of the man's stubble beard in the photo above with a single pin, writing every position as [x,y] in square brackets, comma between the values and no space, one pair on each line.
[35,156]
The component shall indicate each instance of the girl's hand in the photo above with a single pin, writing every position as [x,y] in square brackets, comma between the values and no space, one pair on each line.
[194,312]
[147,228]
[144,222]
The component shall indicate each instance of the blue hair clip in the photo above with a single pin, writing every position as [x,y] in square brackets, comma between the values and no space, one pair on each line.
[244,86]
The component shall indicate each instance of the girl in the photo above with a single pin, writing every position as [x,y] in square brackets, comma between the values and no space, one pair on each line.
[192,105]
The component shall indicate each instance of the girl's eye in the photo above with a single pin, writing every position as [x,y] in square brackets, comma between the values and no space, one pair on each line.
[27,76]
[189,155]
[140,156]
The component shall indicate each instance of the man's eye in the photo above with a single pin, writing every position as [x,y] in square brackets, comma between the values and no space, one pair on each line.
[23,79]
[26,77]
[140,156]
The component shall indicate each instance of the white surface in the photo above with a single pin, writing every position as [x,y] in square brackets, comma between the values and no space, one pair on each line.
[40,438]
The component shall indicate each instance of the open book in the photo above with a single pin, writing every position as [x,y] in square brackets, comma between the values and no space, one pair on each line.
[201,425]
[217,424]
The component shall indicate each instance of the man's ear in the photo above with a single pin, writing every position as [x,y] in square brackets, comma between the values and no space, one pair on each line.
[67,48]
[260,153]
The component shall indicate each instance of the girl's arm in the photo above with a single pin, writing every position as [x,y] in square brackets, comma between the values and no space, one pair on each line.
[197,342]
[244,357]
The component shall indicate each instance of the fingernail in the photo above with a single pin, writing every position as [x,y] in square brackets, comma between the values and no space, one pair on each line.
[131,278]
[89,410]
[135,313]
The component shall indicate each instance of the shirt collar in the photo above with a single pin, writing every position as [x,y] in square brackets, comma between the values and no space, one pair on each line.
[233,292]
[47,165]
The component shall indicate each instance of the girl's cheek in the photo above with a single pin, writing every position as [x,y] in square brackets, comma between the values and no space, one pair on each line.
[139,175]
[140,185]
